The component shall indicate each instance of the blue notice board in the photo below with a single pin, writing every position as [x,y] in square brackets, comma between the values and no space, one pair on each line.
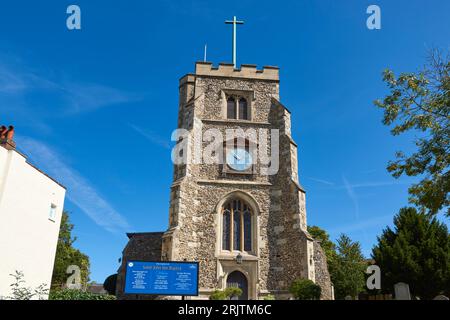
[162,278]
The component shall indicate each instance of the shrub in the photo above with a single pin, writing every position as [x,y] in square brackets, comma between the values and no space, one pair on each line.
[20,292]
[304,289]
[269,297]
[72,294]
[218,295]
[226,294]
[231,292]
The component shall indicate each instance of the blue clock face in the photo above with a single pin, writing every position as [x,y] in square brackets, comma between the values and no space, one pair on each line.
[239,159]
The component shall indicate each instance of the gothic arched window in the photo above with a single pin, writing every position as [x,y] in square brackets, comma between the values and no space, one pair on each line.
[226,226]
[231,108]
[237,108]
[247,228]
[237,226]
[243,112]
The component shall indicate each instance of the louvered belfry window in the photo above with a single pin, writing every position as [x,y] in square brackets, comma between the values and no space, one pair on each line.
[237,108]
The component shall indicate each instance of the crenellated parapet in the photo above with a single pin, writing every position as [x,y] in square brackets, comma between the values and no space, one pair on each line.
[247,71]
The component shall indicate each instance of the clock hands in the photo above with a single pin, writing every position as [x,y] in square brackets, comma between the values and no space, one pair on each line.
[239,159]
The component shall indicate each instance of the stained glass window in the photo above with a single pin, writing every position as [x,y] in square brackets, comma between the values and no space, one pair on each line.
[237,226]
[226,229]
[247,231]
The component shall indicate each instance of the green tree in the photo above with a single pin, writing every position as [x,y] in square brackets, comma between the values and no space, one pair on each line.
[110,284]
[416,252]
[67,255]
[348,269]
[305,289]
[421,102]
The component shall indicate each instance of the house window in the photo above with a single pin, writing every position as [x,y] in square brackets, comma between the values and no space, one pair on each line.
[237,226]
[237,108]
[52,212]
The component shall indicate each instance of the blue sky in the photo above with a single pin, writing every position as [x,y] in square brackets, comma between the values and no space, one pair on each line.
[95,107]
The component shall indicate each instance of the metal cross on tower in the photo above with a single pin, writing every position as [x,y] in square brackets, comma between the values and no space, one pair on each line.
[234,22]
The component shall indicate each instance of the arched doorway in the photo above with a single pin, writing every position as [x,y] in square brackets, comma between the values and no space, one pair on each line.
[238,279]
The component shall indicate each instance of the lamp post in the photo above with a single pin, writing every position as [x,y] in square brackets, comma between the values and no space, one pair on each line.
[239,258]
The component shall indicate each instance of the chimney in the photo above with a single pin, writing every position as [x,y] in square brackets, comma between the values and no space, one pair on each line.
[3,131]
[6,137]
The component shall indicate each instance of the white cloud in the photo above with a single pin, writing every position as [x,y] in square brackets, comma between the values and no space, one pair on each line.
[152,137]
[10,83]
[87,97]
[66,97]
[380,221]
[352,186]
[378,184]
[79,190]
[352,195]
[328,183]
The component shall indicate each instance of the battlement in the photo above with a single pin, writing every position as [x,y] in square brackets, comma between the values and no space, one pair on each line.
[248,71]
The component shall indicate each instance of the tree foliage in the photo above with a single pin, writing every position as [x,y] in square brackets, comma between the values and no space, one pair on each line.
[218,295]
[346,263]
[416,252]
[348,269]
[72,294]
[226,294]
[67,255]
[110,284]
[421,102]
[232,292]
[305,289]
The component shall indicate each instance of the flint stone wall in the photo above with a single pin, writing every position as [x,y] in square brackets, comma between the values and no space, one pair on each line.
[141,246]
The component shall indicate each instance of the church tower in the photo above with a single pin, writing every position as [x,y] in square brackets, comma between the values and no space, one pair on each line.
[243,219]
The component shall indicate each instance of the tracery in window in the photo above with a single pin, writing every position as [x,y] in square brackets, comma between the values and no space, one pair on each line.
[236,226]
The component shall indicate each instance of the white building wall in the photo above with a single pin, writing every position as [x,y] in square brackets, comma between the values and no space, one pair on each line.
[28,237]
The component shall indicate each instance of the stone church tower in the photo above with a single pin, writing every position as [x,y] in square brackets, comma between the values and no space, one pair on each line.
[245,227]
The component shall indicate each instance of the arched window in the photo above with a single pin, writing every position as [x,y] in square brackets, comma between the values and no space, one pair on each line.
[237,226]
[243,112]
[227,228]
[231,108]
[237,108]
[247,229]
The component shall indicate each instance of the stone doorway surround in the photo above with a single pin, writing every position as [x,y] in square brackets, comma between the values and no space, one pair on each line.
[248,267]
